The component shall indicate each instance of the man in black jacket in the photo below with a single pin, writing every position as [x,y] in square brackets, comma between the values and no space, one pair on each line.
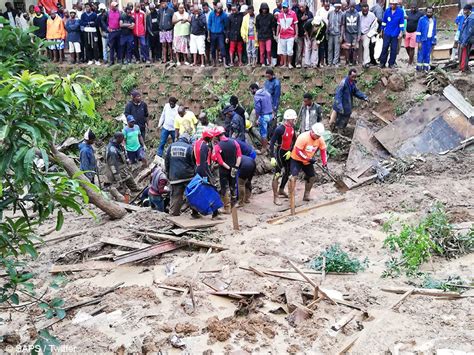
[233,36]
[266,26]
[197,42]
[153,32]
[304,15]
[165,16]
[180,168]
[139,110]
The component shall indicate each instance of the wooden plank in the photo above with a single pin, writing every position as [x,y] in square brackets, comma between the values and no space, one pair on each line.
[146,253]
[239,293]
[86,266]
[273,274]
[421,291]
[307,209]
[457,99]
[182,240]
[286,271]
[131,208]
[171,288]
[341,323]
[62,237]
[124,243]
[235,219]
[293,298]
[380,117]
[411,123]
[188,223]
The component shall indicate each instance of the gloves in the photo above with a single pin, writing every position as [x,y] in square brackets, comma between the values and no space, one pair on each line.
[273,162]
[325,168]
[233,172]
[312,161]
[287,155]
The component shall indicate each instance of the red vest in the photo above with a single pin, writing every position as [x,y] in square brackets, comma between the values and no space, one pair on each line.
[287,138]
[139,17]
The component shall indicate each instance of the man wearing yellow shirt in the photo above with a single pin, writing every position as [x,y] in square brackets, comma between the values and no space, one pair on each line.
[302,157]
[185,122]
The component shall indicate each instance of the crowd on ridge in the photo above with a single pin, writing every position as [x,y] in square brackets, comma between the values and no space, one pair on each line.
[211,34]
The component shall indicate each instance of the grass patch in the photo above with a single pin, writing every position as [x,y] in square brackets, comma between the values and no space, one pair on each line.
[338,260]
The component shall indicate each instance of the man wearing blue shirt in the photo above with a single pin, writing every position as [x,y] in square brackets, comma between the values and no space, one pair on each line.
[216,27]
[426,39]
[393,25]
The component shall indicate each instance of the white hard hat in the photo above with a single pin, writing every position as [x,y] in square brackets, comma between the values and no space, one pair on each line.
[290,115]
[102,7]
[318,129]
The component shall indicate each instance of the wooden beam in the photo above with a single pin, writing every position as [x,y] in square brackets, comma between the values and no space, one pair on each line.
[187,223]
[124,243]
[380,117]
[146,253]
[277,220]
[88,265]
[182,240]
[131,208]
[62,237]
[421,291]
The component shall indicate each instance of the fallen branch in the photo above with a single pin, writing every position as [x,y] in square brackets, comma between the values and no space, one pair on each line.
[422,291]
[171,288]
[62,237]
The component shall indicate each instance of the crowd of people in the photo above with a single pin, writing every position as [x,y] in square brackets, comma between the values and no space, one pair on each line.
[222,154]
[210,34]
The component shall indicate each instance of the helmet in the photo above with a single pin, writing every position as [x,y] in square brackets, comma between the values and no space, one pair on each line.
[208,133]
[318,129]
[248,124]
[218,131]
[290,115]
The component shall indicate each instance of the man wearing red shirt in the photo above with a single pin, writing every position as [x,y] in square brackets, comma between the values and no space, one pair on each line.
[287,32]
[228,155]
[139,32]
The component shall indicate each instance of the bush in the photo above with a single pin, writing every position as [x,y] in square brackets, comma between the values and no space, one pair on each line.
[337,260]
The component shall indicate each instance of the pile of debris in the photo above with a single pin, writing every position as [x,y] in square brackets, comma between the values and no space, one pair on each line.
[439,125]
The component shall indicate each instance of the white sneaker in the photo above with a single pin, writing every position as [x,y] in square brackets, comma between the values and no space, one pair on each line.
[290,66]
[202,65]
[298,65]
[186,63]
[263,65]
[97,62]
[90,62]
[148,62]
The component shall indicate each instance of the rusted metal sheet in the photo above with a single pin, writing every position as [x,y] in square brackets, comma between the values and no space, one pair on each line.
[365,151]
[146,253]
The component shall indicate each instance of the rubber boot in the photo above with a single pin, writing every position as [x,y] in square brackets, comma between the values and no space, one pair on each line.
[248,194]
[74,58]
[276,200]
[281,192]
[241,187]
[61,56]
[307,188]
[226,201]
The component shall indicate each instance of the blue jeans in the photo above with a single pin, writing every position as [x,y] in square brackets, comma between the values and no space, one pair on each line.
[126,47]
[263,121]
[157,202]
[163,139]
[217,40]
[392,42]
[141,47]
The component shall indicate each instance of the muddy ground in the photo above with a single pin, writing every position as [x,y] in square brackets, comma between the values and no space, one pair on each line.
[141,317]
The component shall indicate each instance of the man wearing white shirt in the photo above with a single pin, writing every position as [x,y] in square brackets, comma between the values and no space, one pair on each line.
[166,124]
[368,29]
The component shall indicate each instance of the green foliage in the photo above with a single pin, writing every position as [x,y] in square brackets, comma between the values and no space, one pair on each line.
[19,49]
[129,82]
[45,343]
[451,283]
[338,260]
[370,82]
[392,97]
[417,243]
[401,109]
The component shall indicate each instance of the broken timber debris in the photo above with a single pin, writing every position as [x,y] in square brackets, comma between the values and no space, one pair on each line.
[88,265]
[456,98]
[182,240]
[146,253]
[62,237]
[341,323]
[186,223]
[422,291]
[280,219]
[124,243]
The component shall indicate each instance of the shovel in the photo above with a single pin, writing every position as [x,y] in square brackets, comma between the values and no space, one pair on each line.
[340,185]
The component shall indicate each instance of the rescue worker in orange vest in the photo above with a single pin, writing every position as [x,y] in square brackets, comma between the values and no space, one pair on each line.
[228,155]
[303,157]
[284,137]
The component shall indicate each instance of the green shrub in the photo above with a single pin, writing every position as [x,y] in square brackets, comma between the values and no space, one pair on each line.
[337,260]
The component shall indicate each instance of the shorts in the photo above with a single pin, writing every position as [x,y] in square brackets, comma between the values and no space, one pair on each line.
[197,44]
[166,36]
[58,44]
[296,166]
[351,39]
[138,155]
[285,46]
[410,40]
[263,124]
[74,47]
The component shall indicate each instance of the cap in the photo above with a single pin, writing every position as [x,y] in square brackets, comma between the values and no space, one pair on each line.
[152,5]
[228,109]
[37,9]
[89,135]
[54,12]
[284,4]
[318,129]
[317,21]
[72,11]
[135,93]
[130,118]
[218,131]
[290,115]
[114,4]
[337,3]
[102,6]
[243,8]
